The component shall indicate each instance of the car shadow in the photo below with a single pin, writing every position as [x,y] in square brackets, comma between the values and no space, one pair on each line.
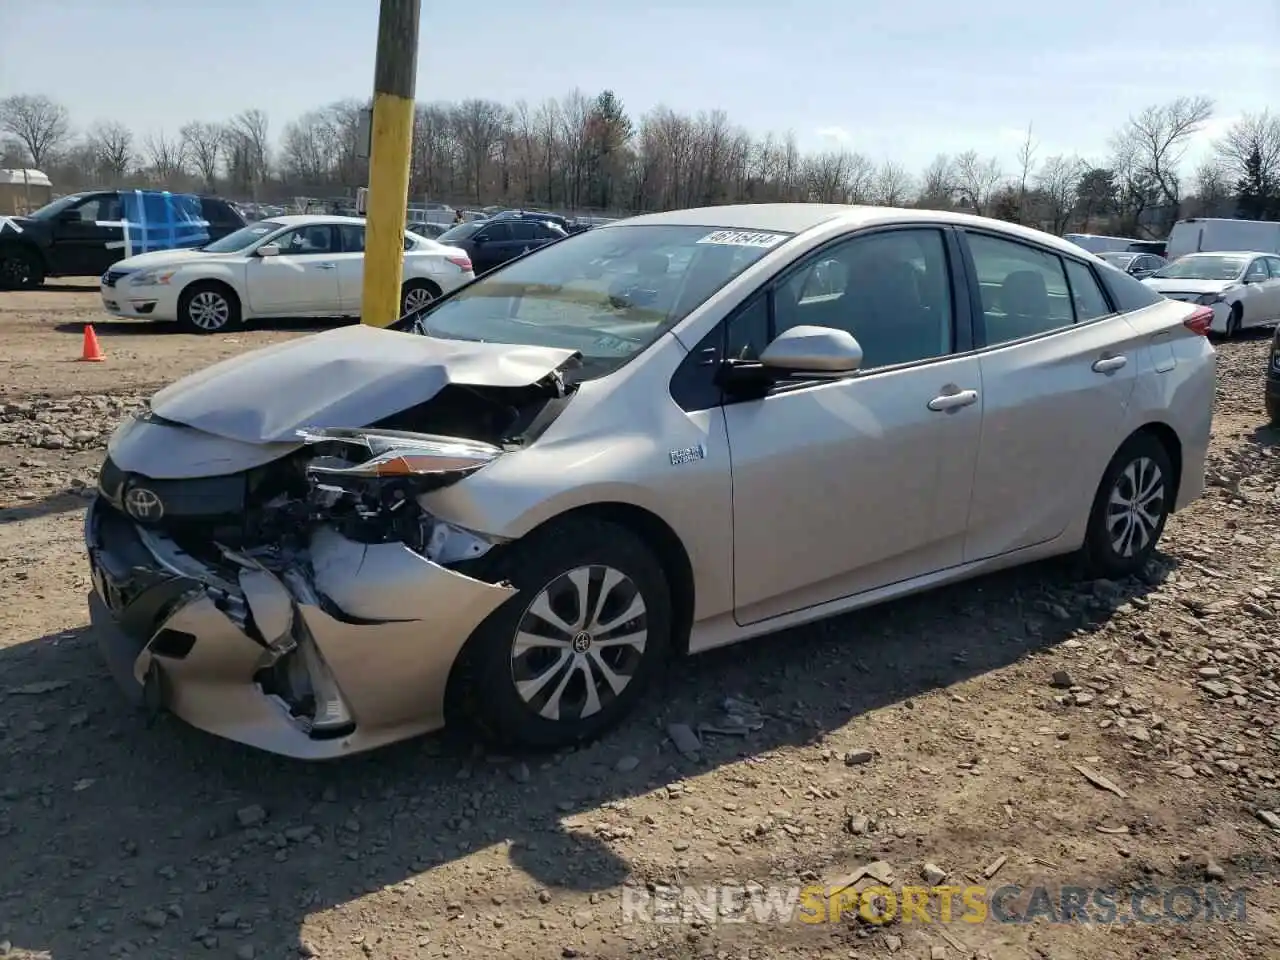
[67,287]
[107,821]
[133,328]
[61,501]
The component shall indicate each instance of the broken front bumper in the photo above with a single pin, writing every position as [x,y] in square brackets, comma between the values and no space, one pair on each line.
[381,623]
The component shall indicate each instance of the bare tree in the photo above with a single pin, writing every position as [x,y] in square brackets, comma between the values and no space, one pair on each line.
[203,143]
[248,149]
[111,143]
[1251,147]
[167,156]
[40,124]
[1212,190]
[480,126]
[1153,143]
[892,185]
[1026,165]
[977,179]
[1058,181]
[939,183]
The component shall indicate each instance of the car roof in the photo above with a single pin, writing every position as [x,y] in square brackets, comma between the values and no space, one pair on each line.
[1230,253]
[303,219]
[797,218]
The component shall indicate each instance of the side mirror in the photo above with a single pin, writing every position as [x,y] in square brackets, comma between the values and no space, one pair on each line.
[269,250]
[806,349]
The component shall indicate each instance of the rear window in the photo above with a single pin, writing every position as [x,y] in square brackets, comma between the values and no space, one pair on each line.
[1126,293]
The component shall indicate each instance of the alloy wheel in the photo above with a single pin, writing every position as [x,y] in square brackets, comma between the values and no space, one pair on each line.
[209,310]
[579,643]
[416,298]
[1135,507]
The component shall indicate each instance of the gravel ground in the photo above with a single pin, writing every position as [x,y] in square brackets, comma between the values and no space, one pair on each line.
[940,738]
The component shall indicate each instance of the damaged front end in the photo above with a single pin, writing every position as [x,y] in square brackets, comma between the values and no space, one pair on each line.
[306,605]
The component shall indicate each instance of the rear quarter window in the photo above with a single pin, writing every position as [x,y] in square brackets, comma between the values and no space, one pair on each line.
[1126,293]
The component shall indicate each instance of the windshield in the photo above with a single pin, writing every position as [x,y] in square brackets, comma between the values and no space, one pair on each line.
[1121,260]
[463,231]
[1203,268]
[607,293]
[53,209]
[234,242]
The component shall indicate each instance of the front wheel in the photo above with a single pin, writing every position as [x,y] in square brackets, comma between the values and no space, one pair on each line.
[1129,512]
[569,654]
[208,308]
[1235,321]
[20,269]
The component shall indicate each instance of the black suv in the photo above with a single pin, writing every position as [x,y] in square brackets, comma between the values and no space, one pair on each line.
[491,243]
[80,236]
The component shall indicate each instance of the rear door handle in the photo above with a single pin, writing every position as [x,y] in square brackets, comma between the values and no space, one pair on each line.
[1109,364]
[953,401]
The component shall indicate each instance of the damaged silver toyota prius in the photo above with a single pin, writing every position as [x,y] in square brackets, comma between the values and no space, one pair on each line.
[659,436]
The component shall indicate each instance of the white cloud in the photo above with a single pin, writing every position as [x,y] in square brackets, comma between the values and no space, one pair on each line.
[838,134]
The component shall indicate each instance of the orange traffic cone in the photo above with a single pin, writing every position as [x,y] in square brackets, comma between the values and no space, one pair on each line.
[91,352]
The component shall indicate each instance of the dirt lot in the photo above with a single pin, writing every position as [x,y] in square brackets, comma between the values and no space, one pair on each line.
[939,734]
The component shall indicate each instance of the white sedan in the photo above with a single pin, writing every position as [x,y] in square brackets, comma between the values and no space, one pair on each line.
[294,266]
[1242,288]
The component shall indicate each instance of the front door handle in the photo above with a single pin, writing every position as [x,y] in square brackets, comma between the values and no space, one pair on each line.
[1109,364]
[325,266]
[953,401]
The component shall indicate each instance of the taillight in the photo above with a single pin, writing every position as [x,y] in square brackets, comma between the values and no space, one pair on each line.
[462,263]
[1200,321]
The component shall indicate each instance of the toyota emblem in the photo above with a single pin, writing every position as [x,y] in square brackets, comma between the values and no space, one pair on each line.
[143,504]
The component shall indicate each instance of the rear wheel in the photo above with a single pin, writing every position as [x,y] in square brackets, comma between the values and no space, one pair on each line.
[1130,509]
[569,655]
[415,295]
[20,268]
[208,308]
[1273,409]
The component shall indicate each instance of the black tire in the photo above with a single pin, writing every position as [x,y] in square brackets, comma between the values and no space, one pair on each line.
[20,268]
[208,307]
[1135,458]
[412,292]
[483,691]
[1234,321]
[1273,409]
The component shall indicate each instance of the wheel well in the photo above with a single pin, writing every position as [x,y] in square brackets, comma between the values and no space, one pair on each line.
[31,249]
[668,548]
[1168,439]
[422,282]
[209,282]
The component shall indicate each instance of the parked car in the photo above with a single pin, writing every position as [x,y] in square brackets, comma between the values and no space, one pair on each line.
[491,243]
[1098,244]
[1272,392]
[1209,234]
[510,510]
[425,228]
[1243,289]
[559,221]
[1137,265]
[81,235]
[308,265]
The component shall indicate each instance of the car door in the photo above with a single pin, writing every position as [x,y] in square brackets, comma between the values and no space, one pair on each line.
[1258,293]
[525,235]
[88,237]
[492,244]
[1059,366]
[302,279]
[350,271]
[842,486]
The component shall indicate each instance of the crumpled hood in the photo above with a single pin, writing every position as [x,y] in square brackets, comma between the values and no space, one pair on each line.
[349,377]
[1168,285]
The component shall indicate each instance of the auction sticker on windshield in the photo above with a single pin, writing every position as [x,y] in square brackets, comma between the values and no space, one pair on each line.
[744,238]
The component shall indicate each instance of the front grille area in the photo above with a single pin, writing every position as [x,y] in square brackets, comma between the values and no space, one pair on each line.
[112,277]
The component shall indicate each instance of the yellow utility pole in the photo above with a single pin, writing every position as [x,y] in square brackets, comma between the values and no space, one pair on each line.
[391,136]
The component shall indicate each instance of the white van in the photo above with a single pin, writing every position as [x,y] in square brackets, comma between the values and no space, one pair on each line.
[1095,243]
[1205,235]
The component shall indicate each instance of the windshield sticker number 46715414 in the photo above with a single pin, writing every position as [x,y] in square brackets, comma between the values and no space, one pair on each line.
[743,238]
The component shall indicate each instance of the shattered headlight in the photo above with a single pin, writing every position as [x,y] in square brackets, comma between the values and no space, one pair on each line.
[391,453]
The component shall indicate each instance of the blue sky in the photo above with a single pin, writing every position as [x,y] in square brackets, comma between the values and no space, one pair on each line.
[901,79]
